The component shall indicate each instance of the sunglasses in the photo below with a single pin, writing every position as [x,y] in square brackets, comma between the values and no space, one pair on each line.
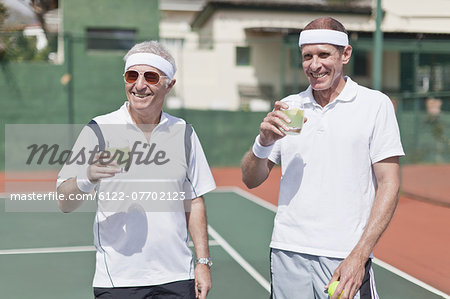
[150,77]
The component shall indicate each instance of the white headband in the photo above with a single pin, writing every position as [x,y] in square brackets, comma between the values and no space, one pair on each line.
[323,36]
[151,60]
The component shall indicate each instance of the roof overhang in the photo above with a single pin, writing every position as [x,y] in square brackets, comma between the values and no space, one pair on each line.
[281,6]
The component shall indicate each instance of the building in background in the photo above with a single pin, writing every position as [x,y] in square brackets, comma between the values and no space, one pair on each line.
[235,54]
[177,35]
[97,35]
[84,77]
[242,54]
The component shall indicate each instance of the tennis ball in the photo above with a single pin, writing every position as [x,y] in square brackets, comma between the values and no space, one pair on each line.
[332,288]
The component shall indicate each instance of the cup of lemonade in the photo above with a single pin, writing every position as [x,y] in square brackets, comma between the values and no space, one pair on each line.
[119,153]
[295,112]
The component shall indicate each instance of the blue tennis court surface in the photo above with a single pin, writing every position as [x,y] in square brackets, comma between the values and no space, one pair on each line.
[50,255]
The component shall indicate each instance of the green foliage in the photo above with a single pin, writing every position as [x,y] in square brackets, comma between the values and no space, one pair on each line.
[17,47]
[3,14]
[14,46]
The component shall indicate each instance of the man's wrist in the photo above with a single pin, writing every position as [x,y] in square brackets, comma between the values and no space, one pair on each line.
[204,261]
[261,151]
[84,184]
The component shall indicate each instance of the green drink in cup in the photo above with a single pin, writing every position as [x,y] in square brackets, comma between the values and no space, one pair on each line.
[295,113]
[120,155]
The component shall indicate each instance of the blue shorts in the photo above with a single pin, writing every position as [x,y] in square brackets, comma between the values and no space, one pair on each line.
[304,276]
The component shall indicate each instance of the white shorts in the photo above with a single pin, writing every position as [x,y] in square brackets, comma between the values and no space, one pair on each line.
[304,276]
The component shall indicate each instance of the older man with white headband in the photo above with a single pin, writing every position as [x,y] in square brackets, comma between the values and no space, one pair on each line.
[148,176]
[340,175]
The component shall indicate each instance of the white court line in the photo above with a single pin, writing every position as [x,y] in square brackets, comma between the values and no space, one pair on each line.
[239,259]
[248,195]
[409,278]
[261,202]
[48,250]
[66,249]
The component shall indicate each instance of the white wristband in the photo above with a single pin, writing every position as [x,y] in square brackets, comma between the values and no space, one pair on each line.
[84,184]
[260,151]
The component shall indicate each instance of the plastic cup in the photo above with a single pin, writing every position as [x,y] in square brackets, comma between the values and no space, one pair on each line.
[119,154]
[295,113]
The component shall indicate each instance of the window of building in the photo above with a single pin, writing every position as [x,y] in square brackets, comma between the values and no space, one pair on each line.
[360,63]
[205,39]
[110,39]
[173,43]
[437,70]
[242,56]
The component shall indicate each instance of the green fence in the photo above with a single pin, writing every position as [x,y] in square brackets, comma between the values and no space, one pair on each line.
[225,135]
[36,92]
[424,121]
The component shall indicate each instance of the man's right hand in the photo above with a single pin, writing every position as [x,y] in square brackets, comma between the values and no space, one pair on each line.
[269,130]
[99,170]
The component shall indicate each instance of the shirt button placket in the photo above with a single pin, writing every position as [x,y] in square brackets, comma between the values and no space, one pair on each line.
[321,127]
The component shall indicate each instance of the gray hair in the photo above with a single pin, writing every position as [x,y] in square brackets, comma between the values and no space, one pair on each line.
[152,47]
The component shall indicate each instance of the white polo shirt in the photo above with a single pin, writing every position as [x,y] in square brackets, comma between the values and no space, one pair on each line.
[328,185]
[143,239]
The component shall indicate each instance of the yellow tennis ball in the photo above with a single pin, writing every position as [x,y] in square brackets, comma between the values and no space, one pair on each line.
[332,288]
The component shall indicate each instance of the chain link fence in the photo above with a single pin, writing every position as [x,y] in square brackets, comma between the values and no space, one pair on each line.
[88,84]
[424,121]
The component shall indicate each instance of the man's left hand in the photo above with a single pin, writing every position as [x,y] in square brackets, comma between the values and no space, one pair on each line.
[202,281]
[350,274]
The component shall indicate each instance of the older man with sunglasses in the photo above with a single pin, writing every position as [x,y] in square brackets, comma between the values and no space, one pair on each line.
[340,175]
[146,209]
